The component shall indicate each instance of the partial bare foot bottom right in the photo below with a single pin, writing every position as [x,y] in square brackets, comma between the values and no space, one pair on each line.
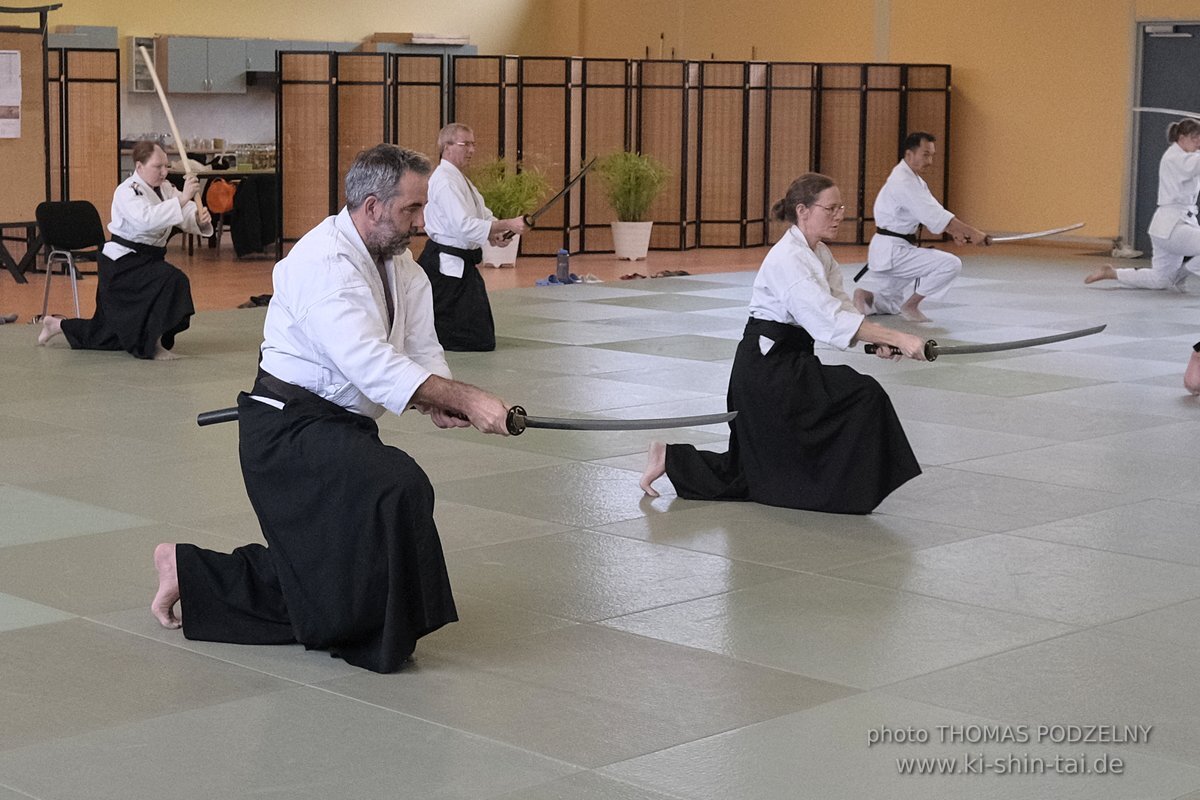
[163,605]
[913,314]
[163,354]
[1191,376]
[864,302]
[1105,273]
[656,467]
[51,327]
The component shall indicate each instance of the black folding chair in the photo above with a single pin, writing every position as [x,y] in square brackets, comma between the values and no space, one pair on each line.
[73,232]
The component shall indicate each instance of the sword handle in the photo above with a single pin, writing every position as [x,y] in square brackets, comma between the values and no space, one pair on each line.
[515,421]
[528,220]
[218,416]
[930,349]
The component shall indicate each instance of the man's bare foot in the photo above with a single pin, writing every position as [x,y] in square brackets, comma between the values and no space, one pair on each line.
[51,327]
[864,302]
[1105,273]
[912,313]
[1191,376]
[656,467]
[163,354]
[163,606]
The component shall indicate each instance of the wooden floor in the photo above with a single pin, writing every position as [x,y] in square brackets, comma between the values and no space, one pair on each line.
[222,281]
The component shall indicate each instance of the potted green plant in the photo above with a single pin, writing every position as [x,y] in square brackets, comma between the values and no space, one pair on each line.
[631,183]
[508,193]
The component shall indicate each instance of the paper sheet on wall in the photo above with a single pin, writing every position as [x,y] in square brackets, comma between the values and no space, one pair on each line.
[10,94]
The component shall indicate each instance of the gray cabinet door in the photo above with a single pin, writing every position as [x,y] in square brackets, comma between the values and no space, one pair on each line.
[187,64]
[260,54]
[227,66]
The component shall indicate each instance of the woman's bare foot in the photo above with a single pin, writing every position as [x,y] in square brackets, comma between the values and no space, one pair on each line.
[163,606]
[864,302]
[1191,376]
[51,327]
[656,467]
[163,354]
[1105,273]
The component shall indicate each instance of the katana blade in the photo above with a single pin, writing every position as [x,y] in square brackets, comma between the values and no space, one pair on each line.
[1017,237]
[1174,112]
[530,219]
[933,349]
[518,421]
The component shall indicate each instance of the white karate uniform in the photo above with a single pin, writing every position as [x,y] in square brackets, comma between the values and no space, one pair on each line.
[327,330]
[1174,230]
[903,204]
[800,285]
[138,215]
[455,216]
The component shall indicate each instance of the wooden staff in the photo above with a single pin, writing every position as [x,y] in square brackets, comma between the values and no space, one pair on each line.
[162,98]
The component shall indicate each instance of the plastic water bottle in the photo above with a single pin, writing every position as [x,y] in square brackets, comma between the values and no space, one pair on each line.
[563,269]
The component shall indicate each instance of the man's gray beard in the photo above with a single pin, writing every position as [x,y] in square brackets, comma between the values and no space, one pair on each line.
[383,250]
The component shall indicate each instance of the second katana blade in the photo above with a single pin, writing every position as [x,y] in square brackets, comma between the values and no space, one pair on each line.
[518,421]
[933,349]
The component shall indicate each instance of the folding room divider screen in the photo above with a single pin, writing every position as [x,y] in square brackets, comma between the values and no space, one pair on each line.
[733,134]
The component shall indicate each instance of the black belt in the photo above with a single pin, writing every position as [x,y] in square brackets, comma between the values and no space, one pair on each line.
[267,385]
[911,238]
[790,337]
[140,248]
[474,256]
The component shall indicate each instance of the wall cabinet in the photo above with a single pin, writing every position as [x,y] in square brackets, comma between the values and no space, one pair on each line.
[197,65]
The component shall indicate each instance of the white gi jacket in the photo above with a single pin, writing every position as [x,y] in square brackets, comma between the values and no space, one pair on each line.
[1178,185]
[327,329]
[456,215]
[902,204]
[138,215]
[800,285]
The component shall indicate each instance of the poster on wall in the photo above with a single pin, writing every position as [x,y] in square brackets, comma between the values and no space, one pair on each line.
[10,94]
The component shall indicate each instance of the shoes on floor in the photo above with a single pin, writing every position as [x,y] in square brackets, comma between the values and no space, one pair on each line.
[6,319]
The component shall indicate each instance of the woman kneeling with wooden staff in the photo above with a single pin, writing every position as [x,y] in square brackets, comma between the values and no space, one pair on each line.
[142,302]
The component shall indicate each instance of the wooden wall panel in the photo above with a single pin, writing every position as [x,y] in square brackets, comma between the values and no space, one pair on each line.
[25,159]
[606,94]
[362,109]
[757,205]
[304,152]
[882,146]
[838,150]
[54,105]
[721,181]
[926,111]
[418,102]
[92,105]
[662,132]
[544,145]
[481,99]
[790,97]
[360,126]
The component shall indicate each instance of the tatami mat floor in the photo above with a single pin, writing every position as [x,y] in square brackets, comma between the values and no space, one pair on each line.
[1043,571]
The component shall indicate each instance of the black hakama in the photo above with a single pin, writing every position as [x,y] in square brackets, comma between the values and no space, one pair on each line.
[353,562]
[462,315]
[140,300]
[807,435]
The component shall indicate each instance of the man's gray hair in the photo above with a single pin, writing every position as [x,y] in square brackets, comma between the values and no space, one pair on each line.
[451,134]
[378,172]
